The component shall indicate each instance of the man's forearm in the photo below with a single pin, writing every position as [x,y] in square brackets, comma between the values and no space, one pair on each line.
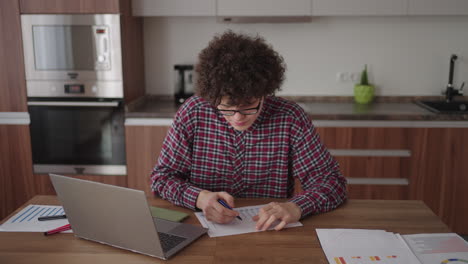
[176,190]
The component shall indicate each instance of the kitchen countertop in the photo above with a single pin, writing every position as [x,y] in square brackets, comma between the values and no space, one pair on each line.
[319,108]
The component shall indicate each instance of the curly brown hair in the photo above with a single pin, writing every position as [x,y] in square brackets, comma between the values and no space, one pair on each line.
[240,67]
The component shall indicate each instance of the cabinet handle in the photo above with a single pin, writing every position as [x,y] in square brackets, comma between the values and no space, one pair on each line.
[370,152]
[74,104]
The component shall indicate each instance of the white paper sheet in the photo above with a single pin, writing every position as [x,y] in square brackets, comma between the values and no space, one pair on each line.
[26,219]
[362,246]
[438,248]
[247,225]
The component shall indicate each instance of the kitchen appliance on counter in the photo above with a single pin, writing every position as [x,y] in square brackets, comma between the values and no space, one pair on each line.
[184,82]
[75,93]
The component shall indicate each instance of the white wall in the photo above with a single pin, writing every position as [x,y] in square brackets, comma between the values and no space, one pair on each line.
[405,55]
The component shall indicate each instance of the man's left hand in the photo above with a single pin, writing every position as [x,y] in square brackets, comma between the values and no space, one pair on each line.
[284,212]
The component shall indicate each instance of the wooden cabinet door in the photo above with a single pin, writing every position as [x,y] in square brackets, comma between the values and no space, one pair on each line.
[143,145]
[439,173]
[358,7]
[16,176]
[12,75]
[69,6]
[384,138]
[16,182]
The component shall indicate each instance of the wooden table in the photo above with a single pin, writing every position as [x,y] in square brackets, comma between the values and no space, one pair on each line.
[294,245]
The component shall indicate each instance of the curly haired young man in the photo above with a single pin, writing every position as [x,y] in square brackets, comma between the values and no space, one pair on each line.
[234,138]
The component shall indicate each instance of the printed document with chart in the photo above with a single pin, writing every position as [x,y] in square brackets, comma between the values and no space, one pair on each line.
[438,248]
[27,219]
[246,225]
[362,246]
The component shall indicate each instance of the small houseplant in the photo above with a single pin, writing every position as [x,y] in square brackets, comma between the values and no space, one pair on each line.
[363,91]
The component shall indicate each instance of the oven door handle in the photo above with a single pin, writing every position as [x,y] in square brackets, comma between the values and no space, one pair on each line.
[74,104]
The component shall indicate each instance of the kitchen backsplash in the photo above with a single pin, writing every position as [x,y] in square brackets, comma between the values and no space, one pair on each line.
[405,55]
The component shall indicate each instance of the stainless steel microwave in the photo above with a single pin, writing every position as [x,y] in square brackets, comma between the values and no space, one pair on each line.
[78,51]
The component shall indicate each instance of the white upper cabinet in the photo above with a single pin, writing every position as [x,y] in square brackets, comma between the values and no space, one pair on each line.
[360,7]
[239,8]
[174,7]
[438,7]
[298,8]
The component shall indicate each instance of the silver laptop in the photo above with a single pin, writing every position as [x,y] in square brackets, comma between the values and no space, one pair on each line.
[120,217]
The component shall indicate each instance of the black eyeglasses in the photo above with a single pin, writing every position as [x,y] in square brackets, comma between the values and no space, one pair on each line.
[247,111]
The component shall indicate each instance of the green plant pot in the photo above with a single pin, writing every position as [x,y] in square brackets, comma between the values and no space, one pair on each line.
[363,94]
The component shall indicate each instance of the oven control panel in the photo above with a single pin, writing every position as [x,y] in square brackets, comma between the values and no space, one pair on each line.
[74,89]
[82,89]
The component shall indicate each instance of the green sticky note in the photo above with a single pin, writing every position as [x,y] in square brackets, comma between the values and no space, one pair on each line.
[167,214]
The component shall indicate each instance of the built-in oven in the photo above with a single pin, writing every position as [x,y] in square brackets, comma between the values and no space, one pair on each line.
[75,93]
[77,136]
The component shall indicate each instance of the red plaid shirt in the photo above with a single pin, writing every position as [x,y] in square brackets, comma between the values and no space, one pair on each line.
[202,151]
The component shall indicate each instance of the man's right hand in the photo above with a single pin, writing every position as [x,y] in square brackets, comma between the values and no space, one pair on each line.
[213,210]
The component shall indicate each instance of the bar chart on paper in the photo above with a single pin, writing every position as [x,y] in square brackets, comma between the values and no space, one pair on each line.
[26,219]
[362,246]
[442,248]
[367,259]
[357,246]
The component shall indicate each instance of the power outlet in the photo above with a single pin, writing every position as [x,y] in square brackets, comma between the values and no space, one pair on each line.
[342,77]
[355,76]
[348,77]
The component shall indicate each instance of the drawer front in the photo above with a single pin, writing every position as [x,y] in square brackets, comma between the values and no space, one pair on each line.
[380,192]
[375,160]
[364,137]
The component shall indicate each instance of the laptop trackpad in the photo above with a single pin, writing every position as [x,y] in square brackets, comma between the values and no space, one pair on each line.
[178,229]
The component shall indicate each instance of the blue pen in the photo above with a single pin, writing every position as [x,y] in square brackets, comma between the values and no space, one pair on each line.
[223,203]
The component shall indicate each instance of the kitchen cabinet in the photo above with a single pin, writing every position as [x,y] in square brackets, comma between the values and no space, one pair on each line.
[12,74]
[174,7]
[434,167]
[16,181]
[16,178]
[221,8]
[375,160]
[419,162]
[438,7]
[263,8]
[439,173]
[144,143]
[133,66]
[69,6]
[295,8]
[359,7]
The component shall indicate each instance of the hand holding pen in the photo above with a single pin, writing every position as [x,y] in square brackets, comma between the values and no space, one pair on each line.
[223,203]
[214,210]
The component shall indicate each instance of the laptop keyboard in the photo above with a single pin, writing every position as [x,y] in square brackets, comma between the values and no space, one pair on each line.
[168,241]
